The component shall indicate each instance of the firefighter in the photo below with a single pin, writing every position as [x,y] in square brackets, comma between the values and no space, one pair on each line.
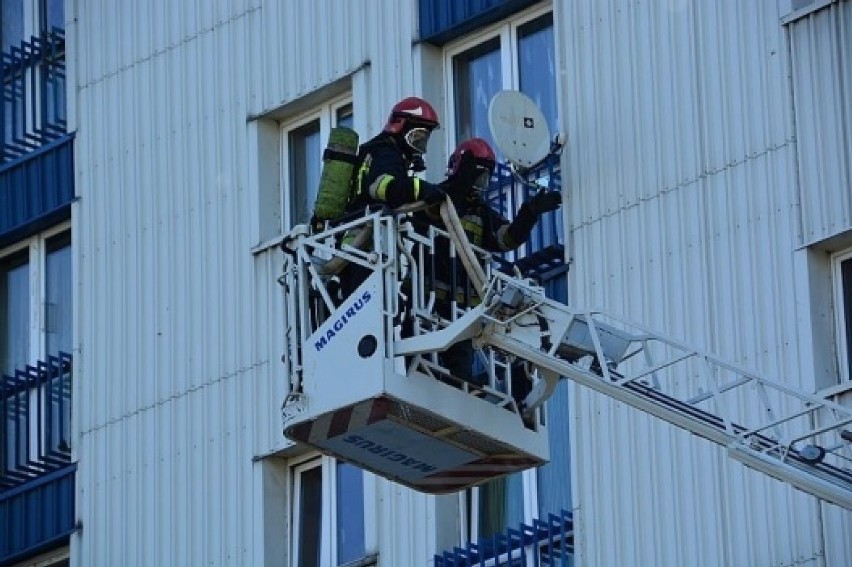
[386,162]
[469,172]
[386,166]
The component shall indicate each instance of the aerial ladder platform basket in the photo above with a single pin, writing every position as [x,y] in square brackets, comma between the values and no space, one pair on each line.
[353,394]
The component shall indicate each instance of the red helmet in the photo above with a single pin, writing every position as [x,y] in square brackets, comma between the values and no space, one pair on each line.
[484,161]
[414,119]
[483,155]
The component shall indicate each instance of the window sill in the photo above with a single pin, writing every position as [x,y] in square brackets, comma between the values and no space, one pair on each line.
[835,390]
[805,11]
[266,245]
[367,560]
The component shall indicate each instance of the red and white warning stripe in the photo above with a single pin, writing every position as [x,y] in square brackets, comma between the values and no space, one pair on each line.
[475,472]
[333,424]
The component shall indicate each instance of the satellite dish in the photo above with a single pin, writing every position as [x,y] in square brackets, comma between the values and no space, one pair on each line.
[518,128]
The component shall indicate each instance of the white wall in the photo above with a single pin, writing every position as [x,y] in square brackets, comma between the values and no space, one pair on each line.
[178,356]
[684,210]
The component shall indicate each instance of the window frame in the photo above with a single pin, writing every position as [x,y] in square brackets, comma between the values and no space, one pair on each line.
[840,303]
[327,115]
[37,408]
[38,247]
[329,528]
[507,32]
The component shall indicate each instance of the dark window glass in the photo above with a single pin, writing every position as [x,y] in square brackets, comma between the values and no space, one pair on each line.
[55,14]
[15,312]
[537,66]
[477,78]
[305,156]
[58,301]
[501,505]
[554,478]
[12,24]
[846,275]
[345,117]
[350,513]
[310,517]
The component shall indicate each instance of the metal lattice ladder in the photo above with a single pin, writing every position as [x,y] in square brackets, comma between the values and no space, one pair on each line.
[794,436]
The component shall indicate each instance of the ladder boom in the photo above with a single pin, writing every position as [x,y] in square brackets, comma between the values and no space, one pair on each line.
[528,343]
[790,435]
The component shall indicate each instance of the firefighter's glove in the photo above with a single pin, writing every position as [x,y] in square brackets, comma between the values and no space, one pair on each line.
[545,201]
[432,194]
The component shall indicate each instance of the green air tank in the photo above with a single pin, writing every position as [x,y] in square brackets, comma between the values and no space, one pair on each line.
[339,158]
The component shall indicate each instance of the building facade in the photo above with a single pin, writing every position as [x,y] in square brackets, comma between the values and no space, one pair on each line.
[706,179]
[37,471]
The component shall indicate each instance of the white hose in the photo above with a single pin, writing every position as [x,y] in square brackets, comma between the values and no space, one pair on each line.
[454,228]
[463,248]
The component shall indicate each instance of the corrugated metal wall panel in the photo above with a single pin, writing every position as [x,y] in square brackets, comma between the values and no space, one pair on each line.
[180,324]
[657,97]
[822,82]
[298,47]
[684,218]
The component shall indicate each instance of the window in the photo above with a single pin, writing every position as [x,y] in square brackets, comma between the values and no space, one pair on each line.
[35,300]
[36,316]
[842,278]
[519,55]
[33,45]
[303,142]
[331,517]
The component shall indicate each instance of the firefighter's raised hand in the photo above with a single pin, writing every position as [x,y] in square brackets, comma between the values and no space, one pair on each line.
[545,201]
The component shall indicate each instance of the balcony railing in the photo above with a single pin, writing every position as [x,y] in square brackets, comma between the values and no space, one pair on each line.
[34,99]
[543,256]
[36,431]
[547,542]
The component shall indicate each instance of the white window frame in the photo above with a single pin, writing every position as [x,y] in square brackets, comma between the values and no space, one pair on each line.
[326,113]
[37,249]
[843,354]
[507,31]
[328,534]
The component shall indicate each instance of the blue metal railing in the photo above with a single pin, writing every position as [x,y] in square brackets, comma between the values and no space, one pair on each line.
[35,404]
[34,99]
[543,256]
[547,542]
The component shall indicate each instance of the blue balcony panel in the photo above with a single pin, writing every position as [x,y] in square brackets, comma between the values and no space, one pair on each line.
[36,190]
[442,21]
[547,542]
[37,516]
